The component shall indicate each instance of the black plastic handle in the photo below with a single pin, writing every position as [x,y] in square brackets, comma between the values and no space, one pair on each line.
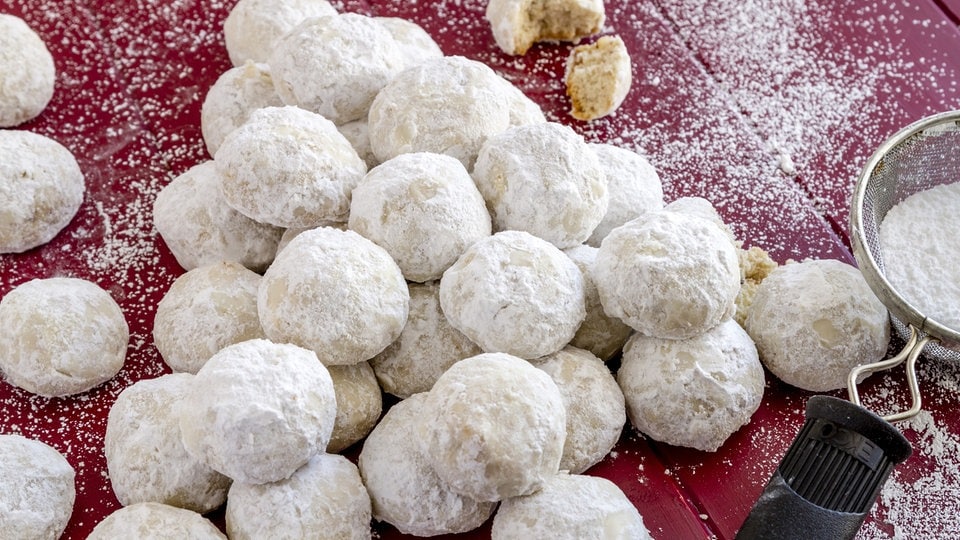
[830,477]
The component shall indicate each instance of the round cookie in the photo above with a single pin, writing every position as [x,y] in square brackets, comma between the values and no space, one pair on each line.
[257,411]
[334,66]
[518,24]
[336,293]
[234,95]
[288,167]
[816,320]
[594,403]
[253,27]
[28,71]
[403,488]
[633,184]
[359,404]
[323,500]
[423,209]
[668,274]
[201,228]
[495,427]
[570,507]
[146,459]
[415,43]
[694,392]
[427,346]
[155,521]
[599,333]
[61,336]
[41,188]
[38,488]
[544,179]
[513,292]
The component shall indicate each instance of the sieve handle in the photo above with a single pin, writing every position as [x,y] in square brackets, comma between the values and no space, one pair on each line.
[830,477]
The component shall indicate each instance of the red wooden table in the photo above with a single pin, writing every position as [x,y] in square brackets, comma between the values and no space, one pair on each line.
[767,108]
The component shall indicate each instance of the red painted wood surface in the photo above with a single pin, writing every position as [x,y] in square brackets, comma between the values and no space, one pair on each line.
[767,108]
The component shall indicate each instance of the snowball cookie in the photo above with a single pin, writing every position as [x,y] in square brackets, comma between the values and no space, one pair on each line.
[427,346]
[61,336]
[253,27]
[324,499]
[145,456]
[359,404]
[495,427]
[594,404]
[598,77]
[633,184]
[600,334]
[416,45]
[289,167]
[229,102]
[513,292]
[518,24]
[570,506]
[816,320]
[334,292]
[155,521]
[200,228]
[205,310]
[334,66]
[543,179]
[38,489]
[446,105]
[668,274]
[423,209]
[41,188]
[257,411]
[403,488]
[358,134]
[28,73]
[694,392]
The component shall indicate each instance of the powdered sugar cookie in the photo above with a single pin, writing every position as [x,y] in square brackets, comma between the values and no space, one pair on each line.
[288,167]
[325,499]
[416,45]
[145,456]
[495,427]
[155,521]
[694,392]
[423,209]
[41,188]
[61,336]
[359,404]
[253,27]
[403,488]
[28,72]
[702,208]
[598,77]
[257,411]
[233,96]
[545,180]
[38,490]
[513,292]
[336,293]
[599,333]
[633,184]
[518,24]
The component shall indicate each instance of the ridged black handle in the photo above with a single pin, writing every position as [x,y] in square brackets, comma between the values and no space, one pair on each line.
[830,477]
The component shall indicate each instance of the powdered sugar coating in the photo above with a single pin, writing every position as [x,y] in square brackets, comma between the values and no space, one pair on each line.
[594,403]
[28,72]
[336,293]
[359,404]
[325,500]
[41,188]
[257,411]
[253,27]
[513,292]
[495,427]
[633,184]
[816,320]
[427,346]
[155,521]
[423,209]
[61,336]
[694,392]
[334,66]
[599,333]
[668,274]
[203,311]
[598,77]
[201,228]
[146,459]
[416,45]
[38,490]
[543,179]
[288,167]
[233,96]
[518,24]
[358,134]
[570,507]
